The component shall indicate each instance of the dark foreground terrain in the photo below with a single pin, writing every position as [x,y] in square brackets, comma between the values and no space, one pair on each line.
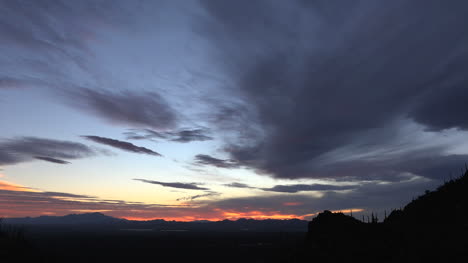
[431,228]
[100,243]
[141,246]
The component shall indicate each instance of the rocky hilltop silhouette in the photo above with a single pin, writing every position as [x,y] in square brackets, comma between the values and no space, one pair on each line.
[431,228]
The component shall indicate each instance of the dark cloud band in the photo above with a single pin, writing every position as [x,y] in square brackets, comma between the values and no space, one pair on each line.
[204,159]
[24,149]
[126,146]
[138,109]
[295,188]
[52,160]
[189,186]
[182,136]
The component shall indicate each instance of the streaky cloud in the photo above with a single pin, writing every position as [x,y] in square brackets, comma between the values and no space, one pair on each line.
[193,197]
[295,188]
[238,185]
[51,160]
[126,146]
[189,186]
[138,109]
[182,135]
[204,159]
[24,149]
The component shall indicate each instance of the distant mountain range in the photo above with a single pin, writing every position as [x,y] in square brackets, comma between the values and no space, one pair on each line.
[87,218]
[107,222]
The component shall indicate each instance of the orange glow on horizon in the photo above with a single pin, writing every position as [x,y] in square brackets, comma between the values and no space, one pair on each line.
[178,219]
[222,215]
[15,187]
[259,215]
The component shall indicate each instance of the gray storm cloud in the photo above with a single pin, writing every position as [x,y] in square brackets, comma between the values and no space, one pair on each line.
[320,76]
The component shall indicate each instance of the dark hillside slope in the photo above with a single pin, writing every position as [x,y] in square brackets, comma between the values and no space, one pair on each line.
[446,205]
[431,228]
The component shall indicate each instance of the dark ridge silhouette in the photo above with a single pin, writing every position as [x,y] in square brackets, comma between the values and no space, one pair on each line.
[431,228]
[84,219]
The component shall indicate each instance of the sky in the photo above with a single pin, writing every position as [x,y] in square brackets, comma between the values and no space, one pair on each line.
[211,110]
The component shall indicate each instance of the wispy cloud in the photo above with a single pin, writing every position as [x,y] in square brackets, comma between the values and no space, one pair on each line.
[193,197]
[190,186]
[41,43]
[238,185]
[295,188]
[25,149]
[204,159]
[126,146]
[138,109]
[52,160]
[183,135]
